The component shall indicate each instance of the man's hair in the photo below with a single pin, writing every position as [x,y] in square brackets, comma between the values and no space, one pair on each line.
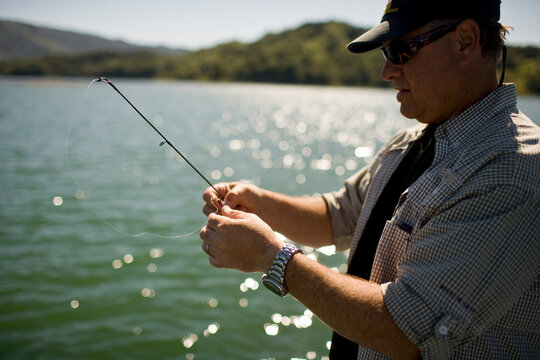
[492,35]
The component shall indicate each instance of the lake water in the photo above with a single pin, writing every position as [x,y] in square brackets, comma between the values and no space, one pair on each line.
[99,224]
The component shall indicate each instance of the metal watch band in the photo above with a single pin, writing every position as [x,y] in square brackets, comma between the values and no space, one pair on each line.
[275,277]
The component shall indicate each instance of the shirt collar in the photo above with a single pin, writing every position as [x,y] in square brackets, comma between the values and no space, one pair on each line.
[466,126]
[471,123]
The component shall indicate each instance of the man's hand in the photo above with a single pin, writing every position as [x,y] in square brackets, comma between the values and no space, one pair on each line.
[239,196]
[239,240]
[304,220]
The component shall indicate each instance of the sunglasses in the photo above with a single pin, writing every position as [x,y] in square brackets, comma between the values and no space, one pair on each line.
[401,51]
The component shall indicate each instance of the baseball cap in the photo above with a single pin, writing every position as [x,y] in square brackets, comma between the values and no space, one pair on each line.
[403,16]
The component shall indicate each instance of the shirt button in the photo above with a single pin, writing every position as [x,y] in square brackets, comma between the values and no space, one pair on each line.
[443,330]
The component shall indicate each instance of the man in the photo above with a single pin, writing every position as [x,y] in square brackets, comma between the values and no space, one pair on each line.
[443,227]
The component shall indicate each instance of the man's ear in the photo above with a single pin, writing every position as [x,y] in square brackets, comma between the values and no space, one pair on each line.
[468,40]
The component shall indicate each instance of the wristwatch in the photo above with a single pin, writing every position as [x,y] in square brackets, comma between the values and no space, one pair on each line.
[275,277]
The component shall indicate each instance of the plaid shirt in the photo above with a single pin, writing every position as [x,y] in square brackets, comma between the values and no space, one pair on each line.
[459,261]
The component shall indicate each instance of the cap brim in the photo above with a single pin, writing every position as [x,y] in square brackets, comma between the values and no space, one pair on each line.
[386,30]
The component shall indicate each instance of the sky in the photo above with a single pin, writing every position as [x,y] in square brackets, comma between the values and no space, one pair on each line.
[194,24]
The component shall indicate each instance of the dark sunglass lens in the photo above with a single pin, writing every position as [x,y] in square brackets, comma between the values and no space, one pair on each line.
[401,51]
[392,52]
[385,54]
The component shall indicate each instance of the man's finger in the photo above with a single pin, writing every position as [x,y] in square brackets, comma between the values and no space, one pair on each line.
[232,213]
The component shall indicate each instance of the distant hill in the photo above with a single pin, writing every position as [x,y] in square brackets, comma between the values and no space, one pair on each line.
[313,53]
[310,54]
[24,41]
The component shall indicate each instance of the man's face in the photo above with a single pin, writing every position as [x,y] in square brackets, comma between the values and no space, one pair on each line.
[426,84]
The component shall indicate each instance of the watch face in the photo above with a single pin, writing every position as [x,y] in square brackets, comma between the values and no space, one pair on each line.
[273,286]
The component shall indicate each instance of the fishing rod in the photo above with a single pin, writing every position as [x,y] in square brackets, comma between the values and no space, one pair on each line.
[165,140]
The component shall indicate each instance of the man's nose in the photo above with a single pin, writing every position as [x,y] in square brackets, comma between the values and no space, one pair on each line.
[391,71]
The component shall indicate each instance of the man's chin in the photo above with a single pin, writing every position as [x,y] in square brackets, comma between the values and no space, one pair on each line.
[407,112]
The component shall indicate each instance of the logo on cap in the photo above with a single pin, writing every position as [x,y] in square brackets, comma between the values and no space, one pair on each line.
[389,9]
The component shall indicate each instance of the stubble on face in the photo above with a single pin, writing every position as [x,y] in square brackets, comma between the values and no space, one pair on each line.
[426,85]
[426,88]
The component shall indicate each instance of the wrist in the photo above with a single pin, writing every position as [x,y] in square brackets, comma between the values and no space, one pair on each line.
[274,279]
[270,257]
[263,201]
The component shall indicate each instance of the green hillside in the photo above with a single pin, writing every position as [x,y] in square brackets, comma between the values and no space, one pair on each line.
[310,54]
[24,41]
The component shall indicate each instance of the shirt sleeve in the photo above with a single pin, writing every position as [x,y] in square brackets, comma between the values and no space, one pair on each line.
[346,204]
[466,268]
[344,207]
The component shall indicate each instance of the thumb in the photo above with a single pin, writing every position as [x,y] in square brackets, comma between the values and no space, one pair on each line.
[232,214]
[232,199]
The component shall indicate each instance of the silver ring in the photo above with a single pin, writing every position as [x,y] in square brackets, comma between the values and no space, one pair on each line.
[208,249]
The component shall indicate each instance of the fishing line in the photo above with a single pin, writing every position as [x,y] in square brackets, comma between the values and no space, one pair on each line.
[165,141]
